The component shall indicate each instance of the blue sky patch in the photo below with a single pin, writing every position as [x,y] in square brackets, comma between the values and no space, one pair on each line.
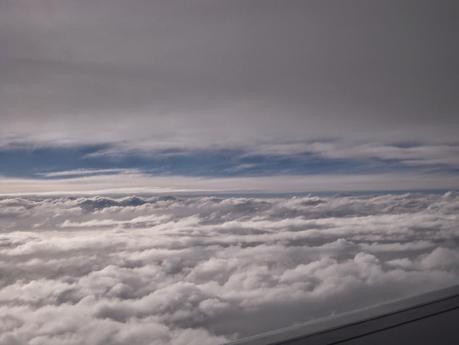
[48,162]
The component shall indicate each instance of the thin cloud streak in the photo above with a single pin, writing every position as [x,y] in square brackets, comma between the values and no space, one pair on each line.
[144,183]
[411,155]
[86,172]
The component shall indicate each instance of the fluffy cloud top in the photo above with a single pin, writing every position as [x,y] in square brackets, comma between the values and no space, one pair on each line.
[205,270]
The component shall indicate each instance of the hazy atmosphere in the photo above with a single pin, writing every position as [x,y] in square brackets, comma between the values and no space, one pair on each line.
[193,172]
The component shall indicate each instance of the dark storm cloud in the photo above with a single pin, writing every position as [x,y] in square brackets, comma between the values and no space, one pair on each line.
[202,270]
[175,73]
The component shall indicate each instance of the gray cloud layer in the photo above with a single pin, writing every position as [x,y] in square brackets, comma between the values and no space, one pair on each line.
[196,74]
[202,270]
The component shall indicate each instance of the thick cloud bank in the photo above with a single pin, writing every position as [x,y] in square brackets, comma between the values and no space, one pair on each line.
[204,270]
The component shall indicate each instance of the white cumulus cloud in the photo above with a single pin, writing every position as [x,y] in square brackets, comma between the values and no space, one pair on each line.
[205,270]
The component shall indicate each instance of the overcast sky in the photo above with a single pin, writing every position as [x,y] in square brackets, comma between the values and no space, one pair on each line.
[335,87]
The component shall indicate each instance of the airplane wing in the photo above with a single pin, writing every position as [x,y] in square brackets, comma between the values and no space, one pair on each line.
[428,319]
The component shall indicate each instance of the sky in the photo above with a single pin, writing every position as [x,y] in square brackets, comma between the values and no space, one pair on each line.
[259,96]
[192,172]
